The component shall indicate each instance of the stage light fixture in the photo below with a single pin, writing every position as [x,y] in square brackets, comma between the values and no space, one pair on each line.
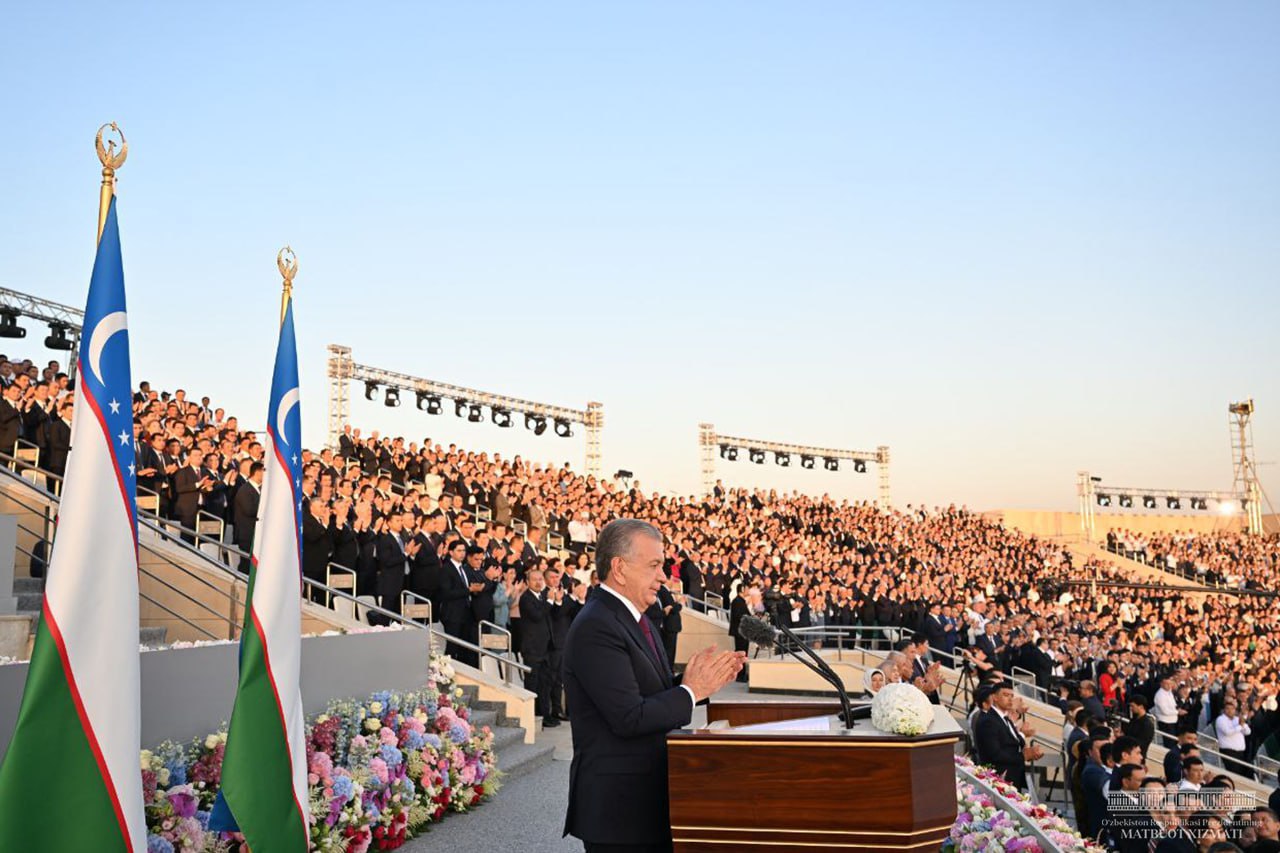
[501,417]
[392,398]
[537,423]
[831,463]
[9,327]
[724,451]
[859,466]
[756,456]
[1199,503]
[58,337]
[476,413]
[1126,501]
[370,390]
[1104,500]
[564,429]
[1227,507]
[429,403]
[1172,503]
[624,474]
[1148,502]
[733,454]
[783,459]
[806,461]
[460,407]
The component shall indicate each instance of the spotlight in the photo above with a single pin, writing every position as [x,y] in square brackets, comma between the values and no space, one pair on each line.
[783,459]
[732,456]
[537,423]
[564,429]
[370,389]
[806,462]
[1148,502]
[624,474]
[501,417]
[724,451]
[476,415]
[1199,503]
[1104,500]
[58,337]
[831,463]
[1126,501]
[1227,507]
[459,407]
[9,327]
[429,403]
[392,398]
[756,456]
[1172,503]
[859,466]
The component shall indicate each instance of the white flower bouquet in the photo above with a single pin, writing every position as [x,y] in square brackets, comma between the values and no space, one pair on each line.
[901,709]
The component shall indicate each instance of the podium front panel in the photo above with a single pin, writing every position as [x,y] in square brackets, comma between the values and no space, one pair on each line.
[810,792]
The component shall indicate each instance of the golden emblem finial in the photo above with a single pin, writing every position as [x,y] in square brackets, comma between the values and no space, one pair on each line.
[287,261]
[112,159]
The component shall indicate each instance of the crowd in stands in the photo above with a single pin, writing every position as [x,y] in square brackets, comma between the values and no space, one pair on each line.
[1221,558]
[473,533]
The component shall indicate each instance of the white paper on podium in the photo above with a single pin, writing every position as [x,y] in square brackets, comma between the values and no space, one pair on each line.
[820,725]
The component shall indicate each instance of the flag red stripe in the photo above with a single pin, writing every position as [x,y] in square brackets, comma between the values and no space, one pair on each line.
[60,645]
[284,725]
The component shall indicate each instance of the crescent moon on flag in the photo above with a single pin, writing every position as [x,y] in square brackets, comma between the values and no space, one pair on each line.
[287,403]
[107,327]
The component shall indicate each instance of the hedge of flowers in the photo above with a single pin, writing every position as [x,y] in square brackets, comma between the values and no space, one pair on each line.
[381,771]
[984,823]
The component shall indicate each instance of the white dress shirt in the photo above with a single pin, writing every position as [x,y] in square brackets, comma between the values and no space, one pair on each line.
[635,614]
[1165,706]
[1230,732]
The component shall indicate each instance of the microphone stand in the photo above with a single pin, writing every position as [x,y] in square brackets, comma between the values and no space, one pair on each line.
[820,666]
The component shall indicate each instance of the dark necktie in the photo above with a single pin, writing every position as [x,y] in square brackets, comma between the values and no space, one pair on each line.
[648,635]
[1016,734]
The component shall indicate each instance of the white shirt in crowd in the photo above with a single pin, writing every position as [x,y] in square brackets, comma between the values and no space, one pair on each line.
[1231,732]
[1165,706]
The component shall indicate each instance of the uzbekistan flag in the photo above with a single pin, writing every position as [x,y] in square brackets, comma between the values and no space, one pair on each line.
[264,772]
[78,731]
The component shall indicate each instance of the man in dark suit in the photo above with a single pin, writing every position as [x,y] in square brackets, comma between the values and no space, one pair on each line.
[999,741]
[317,547]
[424,573]
[691,576]
[60,439]
[190,482]
[535,644]
[456,588]
[933,629]
[625,699]
[737,609]
[393,555]
[244,511]
[10,418]
[671,622]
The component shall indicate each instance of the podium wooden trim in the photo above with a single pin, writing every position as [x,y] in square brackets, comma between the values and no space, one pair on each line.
[808,791]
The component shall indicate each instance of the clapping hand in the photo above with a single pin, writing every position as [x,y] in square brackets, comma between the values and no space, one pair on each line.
[710,669]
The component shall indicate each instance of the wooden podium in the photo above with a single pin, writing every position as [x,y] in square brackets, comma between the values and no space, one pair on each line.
[766,788]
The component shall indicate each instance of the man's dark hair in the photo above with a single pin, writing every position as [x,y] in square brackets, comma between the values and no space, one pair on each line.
[1124,771]
[1106,751]
[1185,748]
[1188,763]
[472,550]
[255,468]
[1123,744]
[615,541]
[1139,700]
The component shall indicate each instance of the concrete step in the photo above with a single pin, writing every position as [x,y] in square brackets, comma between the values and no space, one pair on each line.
[521,758]
[484,718]
[500,708]
[28,585]
[506,737]
[30,602]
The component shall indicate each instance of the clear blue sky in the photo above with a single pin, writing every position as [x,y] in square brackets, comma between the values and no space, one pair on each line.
[1010,240]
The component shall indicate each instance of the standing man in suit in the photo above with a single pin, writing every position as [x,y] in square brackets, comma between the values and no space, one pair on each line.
[625,699]
[317,547]
[244,512]
[60,439]
[191,482]
[999,741]
[393,554]
[671,622]
[10,418]
[535,644]
[456,589]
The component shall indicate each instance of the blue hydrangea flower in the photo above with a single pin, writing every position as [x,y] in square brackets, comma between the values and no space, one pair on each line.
[373,811]
[177,772]
[432,740]
[458,733]
[156,844]
[391,755]
[409,788]
[414,740]
[203,817]
[343,788]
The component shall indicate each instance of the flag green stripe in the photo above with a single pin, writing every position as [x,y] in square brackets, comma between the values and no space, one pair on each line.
[50,769]
[257,777]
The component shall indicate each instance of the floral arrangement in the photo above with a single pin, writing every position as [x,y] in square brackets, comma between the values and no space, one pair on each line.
[985,823]
[901,708]
[379,771]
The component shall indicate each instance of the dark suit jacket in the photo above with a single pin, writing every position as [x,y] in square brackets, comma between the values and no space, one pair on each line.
[1177,843]
[455,600]
[935,632]
[35,427]
[391,562]
[624,702]
[535,627]
[59,446]
[1093,779]
[187,504]
[10,426]
[997,746]
[317,548]
[737,609]
[244,515]
[673,622]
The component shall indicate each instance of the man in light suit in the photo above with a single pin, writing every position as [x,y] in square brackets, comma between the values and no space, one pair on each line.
[625,699]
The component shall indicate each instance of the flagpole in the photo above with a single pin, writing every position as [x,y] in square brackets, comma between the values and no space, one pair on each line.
[287,263]
[111,160]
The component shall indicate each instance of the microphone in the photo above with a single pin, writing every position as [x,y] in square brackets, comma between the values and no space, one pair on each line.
[761,633]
